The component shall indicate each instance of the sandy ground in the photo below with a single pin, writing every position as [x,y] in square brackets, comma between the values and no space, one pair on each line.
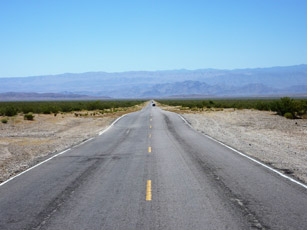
[275,140]
[24,143]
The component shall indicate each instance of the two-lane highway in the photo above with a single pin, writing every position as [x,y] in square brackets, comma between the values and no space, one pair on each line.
[152,171]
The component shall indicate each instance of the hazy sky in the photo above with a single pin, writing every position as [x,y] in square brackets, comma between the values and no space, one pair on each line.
[57,36]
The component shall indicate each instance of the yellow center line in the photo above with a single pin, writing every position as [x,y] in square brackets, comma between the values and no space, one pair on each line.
[150,127]
[148,190]
[149,149]
[150,119]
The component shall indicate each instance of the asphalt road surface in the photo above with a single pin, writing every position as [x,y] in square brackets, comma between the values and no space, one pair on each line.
[152,171]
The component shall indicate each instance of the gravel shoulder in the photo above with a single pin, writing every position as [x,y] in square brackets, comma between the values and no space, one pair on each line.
[272,139]
[23,143]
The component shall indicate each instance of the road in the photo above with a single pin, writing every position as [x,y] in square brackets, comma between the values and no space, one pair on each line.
[151,171]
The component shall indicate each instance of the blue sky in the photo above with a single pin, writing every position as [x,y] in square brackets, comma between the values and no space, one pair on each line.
[59,36]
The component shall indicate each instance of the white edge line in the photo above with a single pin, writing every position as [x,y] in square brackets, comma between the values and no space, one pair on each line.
[100,133]
[88,140]
[3,183]
[82,142]
[105,130]
[248,157]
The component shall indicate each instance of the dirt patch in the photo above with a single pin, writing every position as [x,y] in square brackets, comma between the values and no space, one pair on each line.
[23,142]
[275,140]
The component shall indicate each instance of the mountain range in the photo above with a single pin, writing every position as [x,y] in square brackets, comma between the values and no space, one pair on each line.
[16,96]
[290,80]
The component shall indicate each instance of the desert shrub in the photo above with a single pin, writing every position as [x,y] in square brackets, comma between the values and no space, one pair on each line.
[260,105]
[66,108]
[27,109]
[46,111]
[28,116]
[285,105]
[10,111]
[288,115]
[301,107]
[55,109]
[4,120]
[199,105]
[93,105]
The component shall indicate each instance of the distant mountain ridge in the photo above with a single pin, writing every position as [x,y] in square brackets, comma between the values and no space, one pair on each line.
[13,96]
[136,84]
[199,88]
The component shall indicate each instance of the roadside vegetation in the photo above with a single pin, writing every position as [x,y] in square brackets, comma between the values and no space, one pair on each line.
[10,109]
[287,107]
[29,117]
[4,120]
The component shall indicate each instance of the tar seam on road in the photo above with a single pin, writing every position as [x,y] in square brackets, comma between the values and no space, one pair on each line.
[100,133]
[248,157]
[148,190]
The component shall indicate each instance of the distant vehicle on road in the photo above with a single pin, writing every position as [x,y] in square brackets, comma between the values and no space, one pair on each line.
[153,104]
